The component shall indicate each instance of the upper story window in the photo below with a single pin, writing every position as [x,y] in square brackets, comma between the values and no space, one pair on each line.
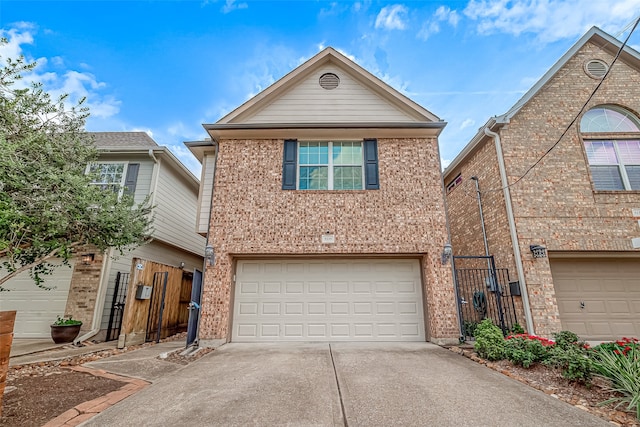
[612,142]
[114,176]
[330,165]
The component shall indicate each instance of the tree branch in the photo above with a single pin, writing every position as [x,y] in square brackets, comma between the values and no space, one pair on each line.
[36,262]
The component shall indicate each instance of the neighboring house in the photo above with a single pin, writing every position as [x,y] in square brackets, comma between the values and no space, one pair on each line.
[327,218]
[581,201]
[85,290]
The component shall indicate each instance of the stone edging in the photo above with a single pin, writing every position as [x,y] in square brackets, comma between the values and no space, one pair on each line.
[87,410]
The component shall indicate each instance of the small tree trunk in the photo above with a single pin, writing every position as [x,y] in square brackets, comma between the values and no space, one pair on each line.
[7,319]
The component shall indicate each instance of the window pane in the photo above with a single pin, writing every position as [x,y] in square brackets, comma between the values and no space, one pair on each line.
[607,178]
[347,153]
[633,173]
[609,119]
[601,153]
[314,178]
[347,178]
[629,152]
[313,153]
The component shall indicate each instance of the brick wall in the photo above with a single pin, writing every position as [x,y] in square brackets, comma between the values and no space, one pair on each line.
[252,215]
[464,215]
[83,291]
[555,204]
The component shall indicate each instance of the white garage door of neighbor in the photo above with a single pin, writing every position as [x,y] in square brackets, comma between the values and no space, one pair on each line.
[37,308]
[328,300]
[598,299]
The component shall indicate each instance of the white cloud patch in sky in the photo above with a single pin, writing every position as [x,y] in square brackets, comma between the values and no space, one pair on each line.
[466,123]
[392,17]
[441,15]
[75,84]
[550,20]
[231,5]
[445,163]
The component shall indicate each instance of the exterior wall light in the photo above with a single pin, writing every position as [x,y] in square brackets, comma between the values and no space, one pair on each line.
[447,251]
[209,255]
[538,251]
[87,259]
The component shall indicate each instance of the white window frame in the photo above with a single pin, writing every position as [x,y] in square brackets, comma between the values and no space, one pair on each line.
[620,164]
[330,165]
[112,162]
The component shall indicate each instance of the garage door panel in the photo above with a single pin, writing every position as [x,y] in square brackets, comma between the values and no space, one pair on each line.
[610,291]
[350,303]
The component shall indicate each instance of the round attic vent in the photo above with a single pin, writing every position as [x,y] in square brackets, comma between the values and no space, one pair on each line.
[596,68]
[329,81]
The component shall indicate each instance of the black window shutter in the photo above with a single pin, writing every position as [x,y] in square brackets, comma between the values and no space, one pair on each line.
[289,165]
[132,178]
[371,178]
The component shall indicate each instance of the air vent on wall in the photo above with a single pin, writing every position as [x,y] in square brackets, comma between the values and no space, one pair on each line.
[596,68]
[329,81]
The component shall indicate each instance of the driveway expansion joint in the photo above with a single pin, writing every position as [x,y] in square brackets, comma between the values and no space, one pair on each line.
[335,373]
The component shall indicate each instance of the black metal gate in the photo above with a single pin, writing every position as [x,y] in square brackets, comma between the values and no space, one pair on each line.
[194,307]
[483,293]
[156,307]
[117,306]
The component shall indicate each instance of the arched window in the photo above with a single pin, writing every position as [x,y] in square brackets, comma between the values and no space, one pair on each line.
[612,148]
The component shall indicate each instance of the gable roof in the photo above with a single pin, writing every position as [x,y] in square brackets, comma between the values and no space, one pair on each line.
[122,139]
[596,36]
[249,115]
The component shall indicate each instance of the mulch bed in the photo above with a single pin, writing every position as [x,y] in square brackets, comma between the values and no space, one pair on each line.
[38,392]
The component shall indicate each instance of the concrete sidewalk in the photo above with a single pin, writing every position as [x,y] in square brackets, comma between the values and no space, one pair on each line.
[25,350]
[409,384]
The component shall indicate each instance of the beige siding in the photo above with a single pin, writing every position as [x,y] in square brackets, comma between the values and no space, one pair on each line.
[143,185]
[206,187]
[175,213]
[307,102]
[154,251]
[37,308]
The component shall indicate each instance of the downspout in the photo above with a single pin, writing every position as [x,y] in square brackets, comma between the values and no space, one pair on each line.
[196,343]
[102,294]
[512,229]
[154,179]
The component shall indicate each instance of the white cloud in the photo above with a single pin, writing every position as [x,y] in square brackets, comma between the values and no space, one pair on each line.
[432,26]
[467,123]
[445,163]
[76,85]
[550,20]
[231,5]
[392,17]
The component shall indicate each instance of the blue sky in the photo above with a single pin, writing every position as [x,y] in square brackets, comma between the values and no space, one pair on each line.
[167,67]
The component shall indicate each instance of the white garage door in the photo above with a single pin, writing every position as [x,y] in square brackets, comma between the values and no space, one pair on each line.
[328,300]
[37,308]
[598,299]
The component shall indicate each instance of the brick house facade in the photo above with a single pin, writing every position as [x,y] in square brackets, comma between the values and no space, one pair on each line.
[360,262]
[579,204]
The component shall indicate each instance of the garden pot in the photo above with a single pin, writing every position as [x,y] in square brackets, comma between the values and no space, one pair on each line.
[62,334]
[7,319]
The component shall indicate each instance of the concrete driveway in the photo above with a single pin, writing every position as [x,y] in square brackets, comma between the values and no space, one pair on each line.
[339,385]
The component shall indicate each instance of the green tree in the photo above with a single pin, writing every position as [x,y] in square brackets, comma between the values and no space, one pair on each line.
[48,207]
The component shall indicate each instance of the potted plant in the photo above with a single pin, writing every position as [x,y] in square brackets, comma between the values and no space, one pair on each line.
[65,330]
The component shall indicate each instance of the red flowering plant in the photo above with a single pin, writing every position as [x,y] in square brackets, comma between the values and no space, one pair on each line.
[621,347]
[525,349]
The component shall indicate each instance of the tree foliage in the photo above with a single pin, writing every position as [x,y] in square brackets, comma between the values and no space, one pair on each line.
[48,207]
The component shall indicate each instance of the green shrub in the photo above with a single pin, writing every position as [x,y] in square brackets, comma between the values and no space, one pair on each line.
[573,360]
[470,328]
[566,339]
[489,341]
[517,329]
[525,350]
[622,368]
